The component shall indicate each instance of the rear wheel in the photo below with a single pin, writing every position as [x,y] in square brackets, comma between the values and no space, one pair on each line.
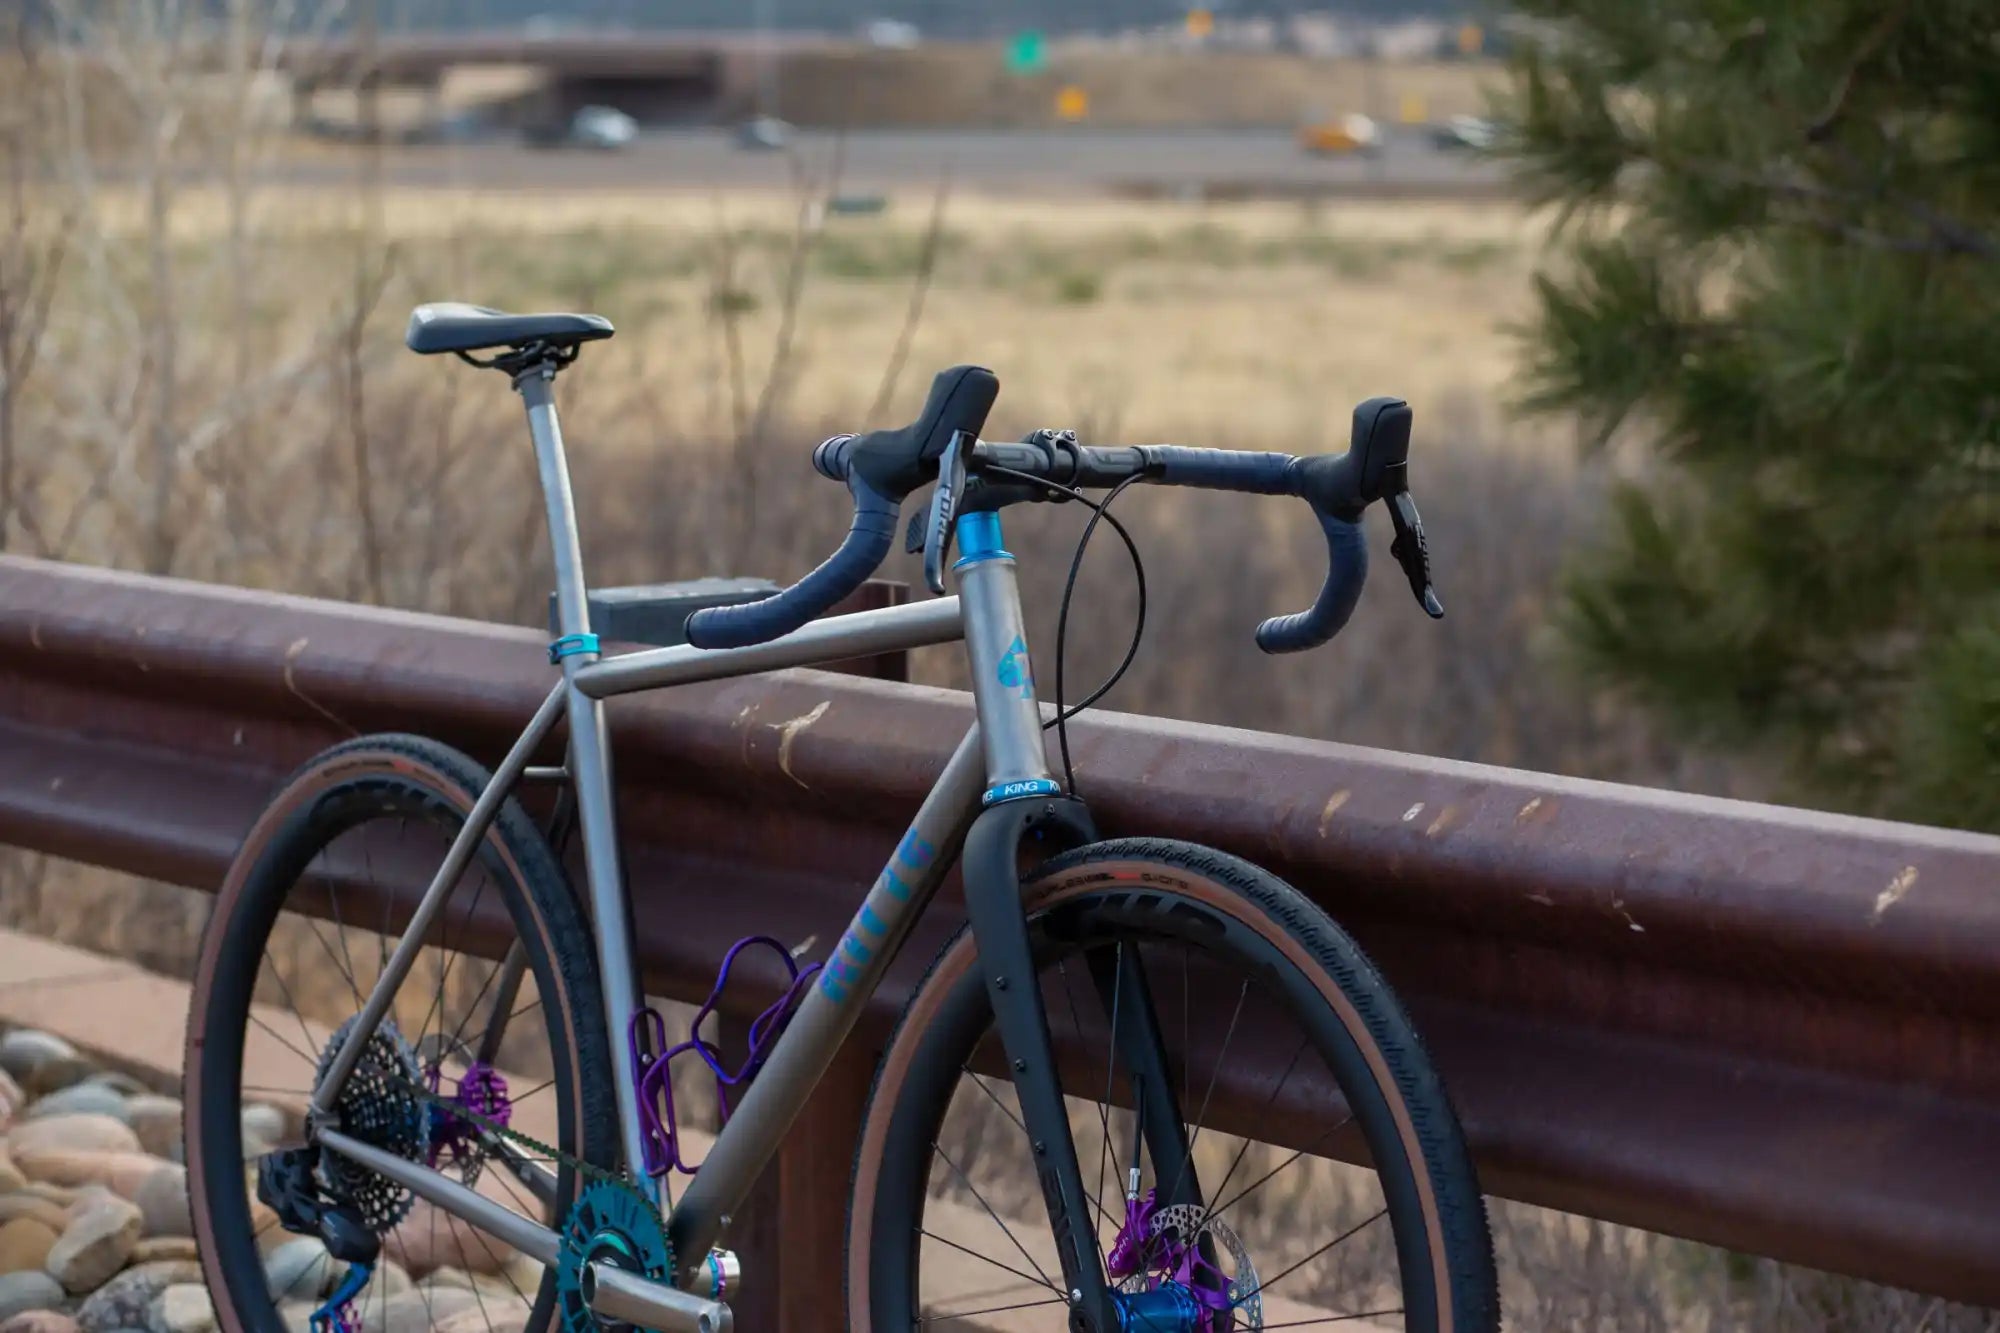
[1310,1173]
[500,1015]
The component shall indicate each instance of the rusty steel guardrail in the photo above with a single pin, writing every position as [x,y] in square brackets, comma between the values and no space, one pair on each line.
[1766,1028]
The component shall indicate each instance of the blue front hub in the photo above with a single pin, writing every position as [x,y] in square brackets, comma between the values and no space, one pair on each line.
[1167,1308]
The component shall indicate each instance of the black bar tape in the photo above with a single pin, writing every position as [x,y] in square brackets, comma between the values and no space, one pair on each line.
[1347,570]
[860,555]
[1222,469]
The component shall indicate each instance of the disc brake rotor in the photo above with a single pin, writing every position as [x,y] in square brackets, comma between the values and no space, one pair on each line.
[1176,1233]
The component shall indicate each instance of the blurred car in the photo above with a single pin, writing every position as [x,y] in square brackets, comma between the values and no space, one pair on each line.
[1465,132]
[891,34]
[1354,133]
[763,132]
[603,128]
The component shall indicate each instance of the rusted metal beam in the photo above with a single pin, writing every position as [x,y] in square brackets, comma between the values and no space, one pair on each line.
[1766,1028]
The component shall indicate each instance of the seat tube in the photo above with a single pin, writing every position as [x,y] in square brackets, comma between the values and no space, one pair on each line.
[589,762]
[1003,681]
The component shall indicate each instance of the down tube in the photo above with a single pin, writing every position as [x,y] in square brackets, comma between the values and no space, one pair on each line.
[831,1007]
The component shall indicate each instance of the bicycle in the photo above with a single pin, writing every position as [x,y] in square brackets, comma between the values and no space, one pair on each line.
[1096,943]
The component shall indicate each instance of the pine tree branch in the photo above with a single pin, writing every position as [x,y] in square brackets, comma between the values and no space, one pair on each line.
[1942,234]
[1871,46]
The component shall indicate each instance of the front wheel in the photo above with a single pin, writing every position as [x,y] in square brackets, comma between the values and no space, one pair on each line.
[1262,1136]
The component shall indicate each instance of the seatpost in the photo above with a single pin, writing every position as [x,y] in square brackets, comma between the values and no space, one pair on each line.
[590,750]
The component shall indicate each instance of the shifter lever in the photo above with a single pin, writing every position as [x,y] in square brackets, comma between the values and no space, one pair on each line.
[944,503]
[1412,552]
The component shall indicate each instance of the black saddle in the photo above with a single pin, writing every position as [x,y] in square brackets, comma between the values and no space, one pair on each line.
[452,326]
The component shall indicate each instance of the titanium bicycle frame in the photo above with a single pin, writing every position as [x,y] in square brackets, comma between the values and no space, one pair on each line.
[1001,759]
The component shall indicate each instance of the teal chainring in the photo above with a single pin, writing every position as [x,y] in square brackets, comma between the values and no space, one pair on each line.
[614,1224]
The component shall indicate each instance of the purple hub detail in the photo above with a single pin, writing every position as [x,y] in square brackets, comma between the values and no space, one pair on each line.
[482,1091]
[1168,1258]
[652,1058]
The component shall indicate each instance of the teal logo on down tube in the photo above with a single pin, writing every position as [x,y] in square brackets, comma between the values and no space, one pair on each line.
[1015,673]
[869,930]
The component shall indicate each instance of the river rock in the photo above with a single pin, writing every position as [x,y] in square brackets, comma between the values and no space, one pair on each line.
[25,1243]
[82,1132]
[49,1214]
[157,1123]
[416,1311]
[510,1318]
[123,1301]
[126,1173]
[85,1098]
[40,1061]
[263,1129]
[68,1168]
[95,1246]
[390,1279]
[13,1101]
[11,1178]
[163,1202]
[298,1317]
[153,1249]
[181,1308]
[62,1196]
[301,1269]
[32,1290]
[39,1321]
[431,1238]
[86,1196]
[120,1082]
[526,1273]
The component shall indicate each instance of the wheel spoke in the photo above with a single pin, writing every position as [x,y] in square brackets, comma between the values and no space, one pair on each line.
[1103,1112]
[991,1309]
[1253,1187]
[1008,1111]
[1269,1102]
[457,1041]
[285,1041]
[1110,1076]
[340,933]
[1005,1229]
[1214,1074]
[987,1258]
[1332,1319]
[1265,1284]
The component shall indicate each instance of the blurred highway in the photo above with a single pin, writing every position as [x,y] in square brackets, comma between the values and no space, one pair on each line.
[1221,163]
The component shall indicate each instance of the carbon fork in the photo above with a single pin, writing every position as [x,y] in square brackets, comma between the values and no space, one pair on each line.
[991,866]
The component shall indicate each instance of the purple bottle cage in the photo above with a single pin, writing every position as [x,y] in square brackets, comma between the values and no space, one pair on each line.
[659,1130]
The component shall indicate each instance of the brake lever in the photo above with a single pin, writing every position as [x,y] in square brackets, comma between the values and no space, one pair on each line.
[944,503]
[1413,553]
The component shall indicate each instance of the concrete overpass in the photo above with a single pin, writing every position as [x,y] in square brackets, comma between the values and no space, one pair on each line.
[651,75]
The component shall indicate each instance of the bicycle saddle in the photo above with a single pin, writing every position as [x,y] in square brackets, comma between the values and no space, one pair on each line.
[453,326]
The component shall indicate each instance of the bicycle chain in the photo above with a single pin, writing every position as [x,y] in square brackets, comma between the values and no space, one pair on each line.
[595,1174]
